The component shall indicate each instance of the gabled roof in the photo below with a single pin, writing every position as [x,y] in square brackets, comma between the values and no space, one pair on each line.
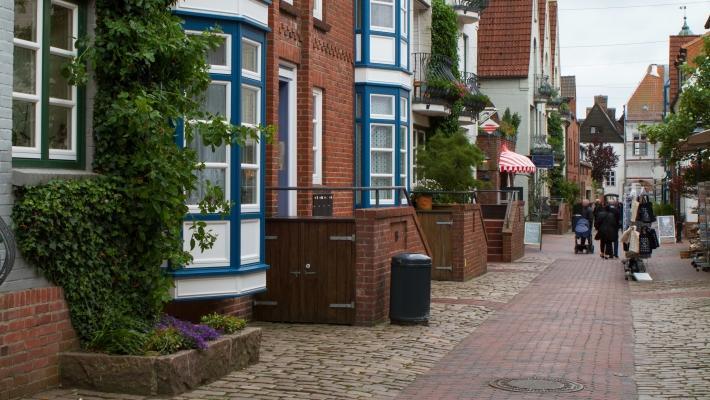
[504,38]
[646,103]
[694,48]
[608,129]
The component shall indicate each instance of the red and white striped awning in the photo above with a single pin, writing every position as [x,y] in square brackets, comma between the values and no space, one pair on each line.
[511,161]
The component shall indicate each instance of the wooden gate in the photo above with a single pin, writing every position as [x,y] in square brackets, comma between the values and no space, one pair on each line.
[437,227]
[312,271]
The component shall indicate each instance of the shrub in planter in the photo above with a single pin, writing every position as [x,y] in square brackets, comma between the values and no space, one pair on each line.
[510,123]
[224,323]
[165,341]
[196,336]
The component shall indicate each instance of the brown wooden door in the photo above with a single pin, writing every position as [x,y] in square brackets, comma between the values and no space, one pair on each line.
[437,229]
[312,272]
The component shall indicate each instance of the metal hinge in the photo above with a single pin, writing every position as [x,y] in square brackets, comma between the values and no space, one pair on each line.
[265,303]
[350,238]
[445,268]
[271,237]
[348,305]
[444,222]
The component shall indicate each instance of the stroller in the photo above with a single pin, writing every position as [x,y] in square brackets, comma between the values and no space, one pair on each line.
[582,229]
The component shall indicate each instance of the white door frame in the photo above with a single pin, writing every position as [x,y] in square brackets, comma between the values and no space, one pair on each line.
[288,73]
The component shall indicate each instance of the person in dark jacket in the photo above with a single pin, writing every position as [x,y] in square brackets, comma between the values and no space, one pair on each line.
[585,210]
[599,207]
[608,232]
[615,208]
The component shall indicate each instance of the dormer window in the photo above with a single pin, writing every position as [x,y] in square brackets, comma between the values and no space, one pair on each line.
[594,129]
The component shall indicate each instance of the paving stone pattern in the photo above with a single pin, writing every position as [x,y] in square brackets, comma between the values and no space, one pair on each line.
[672,339]
[328,362]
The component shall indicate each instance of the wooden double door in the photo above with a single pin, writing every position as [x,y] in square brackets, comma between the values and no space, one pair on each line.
[311,277]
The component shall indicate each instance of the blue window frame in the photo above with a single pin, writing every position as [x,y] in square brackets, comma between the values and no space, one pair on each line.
[238,71]
[369,33]
[382,142]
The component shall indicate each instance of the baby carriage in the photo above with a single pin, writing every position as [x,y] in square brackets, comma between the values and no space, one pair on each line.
[582,229]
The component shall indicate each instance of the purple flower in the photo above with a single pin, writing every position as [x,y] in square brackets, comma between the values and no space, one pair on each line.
[196,335]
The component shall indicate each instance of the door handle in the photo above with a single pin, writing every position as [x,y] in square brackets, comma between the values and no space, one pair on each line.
[310,273]
[296,273]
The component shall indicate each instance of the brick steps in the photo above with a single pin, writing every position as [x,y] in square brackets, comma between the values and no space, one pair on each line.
[494,231]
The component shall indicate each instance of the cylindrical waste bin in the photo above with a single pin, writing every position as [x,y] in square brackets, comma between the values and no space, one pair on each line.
[410,289]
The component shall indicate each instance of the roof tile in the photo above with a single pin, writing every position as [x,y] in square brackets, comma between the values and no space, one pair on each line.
[504,39]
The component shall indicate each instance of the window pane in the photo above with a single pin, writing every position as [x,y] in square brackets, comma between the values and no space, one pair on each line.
[381,137]
[24,70]
[403,138]
[248,187]
[218,56]
[404,112]
[250,57]
[358,106]
[58,85]
[382,15]
[384,194]
[205,153]
[60,127]
[381,162]
[404,21]
[248,153]
[216,177]
[250,106]
[382,105]
[215,101]
[61,27]
[403,163]
[23,123]
[26,20]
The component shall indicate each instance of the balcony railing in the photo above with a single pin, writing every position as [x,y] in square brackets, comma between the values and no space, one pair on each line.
[471,109]
[539,145]
[474,6]
[544,90]
[433,79]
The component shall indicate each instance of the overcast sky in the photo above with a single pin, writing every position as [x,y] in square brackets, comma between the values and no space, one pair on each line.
[616,70]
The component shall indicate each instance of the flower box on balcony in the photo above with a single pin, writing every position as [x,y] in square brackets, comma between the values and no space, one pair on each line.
[160,375]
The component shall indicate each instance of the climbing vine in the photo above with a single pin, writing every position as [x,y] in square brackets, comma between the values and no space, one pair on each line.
[104,240]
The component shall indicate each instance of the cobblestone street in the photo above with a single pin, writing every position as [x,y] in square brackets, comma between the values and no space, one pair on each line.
[549,314]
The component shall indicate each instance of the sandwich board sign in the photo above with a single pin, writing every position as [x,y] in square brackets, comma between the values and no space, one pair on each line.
[666,228]
[533,233]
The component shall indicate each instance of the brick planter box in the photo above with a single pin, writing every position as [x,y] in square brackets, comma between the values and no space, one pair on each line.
[457,238]
[160,375]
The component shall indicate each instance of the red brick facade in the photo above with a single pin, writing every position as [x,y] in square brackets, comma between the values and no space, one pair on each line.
[469,243]
[194,310]
[491,146]
[380,234]
[34,328]
[514,232]
[322,53]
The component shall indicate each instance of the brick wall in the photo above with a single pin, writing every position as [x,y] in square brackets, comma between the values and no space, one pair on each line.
[194,310]
[380,234]
[34,328]
[469,245]
[491,146]
[322,52]
[563,219]
[513,232]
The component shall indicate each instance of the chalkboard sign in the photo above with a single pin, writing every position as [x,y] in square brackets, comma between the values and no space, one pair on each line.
[533,233]
[666,226]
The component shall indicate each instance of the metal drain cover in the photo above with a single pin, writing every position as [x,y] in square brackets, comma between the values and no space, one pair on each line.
[536,384]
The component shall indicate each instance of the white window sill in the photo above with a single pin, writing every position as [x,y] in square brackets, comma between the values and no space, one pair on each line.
[37,176]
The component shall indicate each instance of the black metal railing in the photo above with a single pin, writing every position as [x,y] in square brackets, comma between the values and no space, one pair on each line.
[539,145]
[322,197]
[476,6]
[434,81]
[470,80]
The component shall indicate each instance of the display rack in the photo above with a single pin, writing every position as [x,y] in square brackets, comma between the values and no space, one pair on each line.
[701,256]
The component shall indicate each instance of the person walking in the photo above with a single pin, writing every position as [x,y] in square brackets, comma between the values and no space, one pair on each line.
[615,208]
[599,208]
[608,232]
[585,210]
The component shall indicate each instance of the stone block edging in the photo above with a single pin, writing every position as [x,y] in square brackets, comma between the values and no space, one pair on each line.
[160,375]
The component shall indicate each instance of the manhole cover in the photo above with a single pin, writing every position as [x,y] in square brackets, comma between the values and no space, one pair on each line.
[536,385]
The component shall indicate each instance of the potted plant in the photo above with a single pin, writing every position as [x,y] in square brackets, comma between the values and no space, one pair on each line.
[509,123]
[423,193]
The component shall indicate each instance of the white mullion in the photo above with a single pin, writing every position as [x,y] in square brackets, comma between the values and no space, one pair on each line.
[26,44]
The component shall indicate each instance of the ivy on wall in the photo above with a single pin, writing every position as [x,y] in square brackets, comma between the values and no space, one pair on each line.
[104,240]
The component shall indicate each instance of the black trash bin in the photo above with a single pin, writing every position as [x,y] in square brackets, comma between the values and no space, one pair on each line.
[410,289]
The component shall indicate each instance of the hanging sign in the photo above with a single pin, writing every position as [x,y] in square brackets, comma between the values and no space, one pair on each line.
[543,161]
[490,126]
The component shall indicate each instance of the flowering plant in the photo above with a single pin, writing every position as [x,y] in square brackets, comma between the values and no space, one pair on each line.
[196,336]
[427,185]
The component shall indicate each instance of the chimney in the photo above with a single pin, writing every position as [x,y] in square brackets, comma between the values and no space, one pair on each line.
[601,100]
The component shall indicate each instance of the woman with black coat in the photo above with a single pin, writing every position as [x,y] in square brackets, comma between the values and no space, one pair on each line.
[608,232]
